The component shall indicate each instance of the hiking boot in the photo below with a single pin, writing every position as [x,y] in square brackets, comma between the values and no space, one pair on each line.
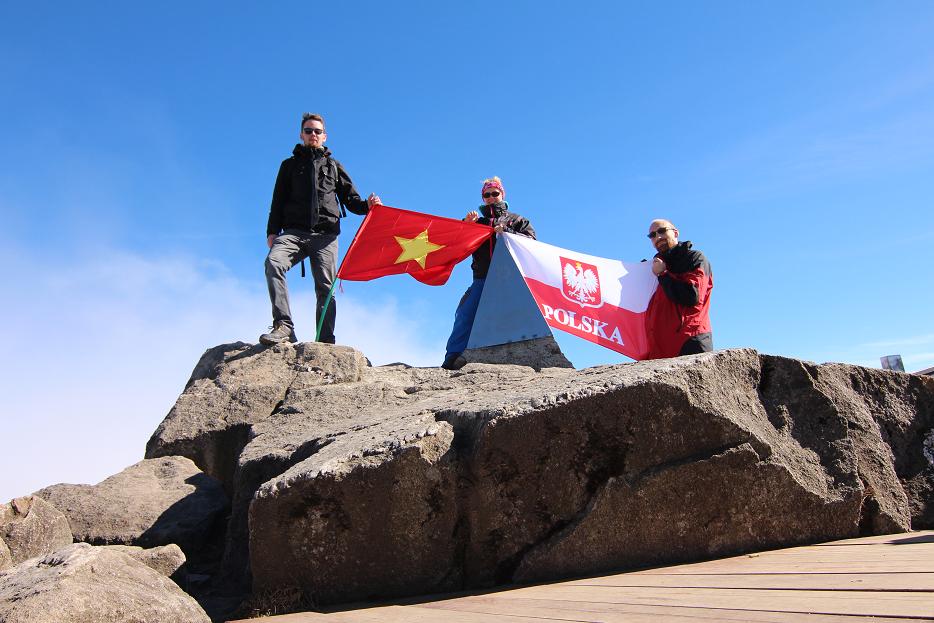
[454,362]
[280,333]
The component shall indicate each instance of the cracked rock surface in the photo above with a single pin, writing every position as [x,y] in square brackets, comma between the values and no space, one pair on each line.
[237,385]
[169,560]
[30,526]
[538,353]
[86,584]
[353,483]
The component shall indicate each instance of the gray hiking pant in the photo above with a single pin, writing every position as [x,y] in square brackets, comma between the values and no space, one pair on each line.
[289,249]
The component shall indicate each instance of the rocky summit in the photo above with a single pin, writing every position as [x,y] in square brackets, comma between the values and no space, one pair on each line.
[349,482]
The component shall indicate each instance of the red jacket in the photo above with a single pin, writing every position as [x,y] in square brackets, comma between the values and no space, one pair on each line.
[680,307]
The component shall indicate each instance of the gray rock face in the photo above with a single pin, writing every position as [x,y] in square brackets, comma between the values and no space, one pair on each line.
[165,559]
[154,502]
[86,584]
[337,425]
[30,526]
[237,385]
[409,481]
[407,515]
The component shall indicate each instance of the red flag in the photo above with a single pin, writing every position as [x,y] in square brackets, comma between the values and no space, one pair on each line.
[393,241]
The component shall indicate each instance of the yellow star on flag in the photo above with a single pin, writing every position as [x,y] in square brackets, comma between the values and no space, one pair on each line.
[416,248]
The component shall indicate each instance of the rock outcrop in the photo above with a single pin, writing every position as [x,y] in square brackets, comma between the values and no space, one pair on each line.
[537,353]
[154,502]
[234,386]
[169,560]
[353,483]
[86,584]
[6,558]
[29,527]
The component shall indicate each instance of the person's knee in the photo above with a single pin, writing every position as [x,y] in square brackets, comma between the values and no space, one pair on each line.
[697,344]
[322,288]
[275,265]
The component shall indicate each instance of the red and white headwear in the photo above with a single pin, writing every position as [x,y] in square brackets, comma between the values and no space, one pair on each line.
[493,183]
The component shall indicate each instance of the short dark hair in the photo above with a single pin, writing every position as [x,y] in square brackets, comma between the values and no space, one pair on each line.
[313,117]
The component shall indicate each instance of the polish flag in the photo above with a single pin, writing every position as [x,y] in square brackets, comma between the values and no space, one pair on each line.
[597,299]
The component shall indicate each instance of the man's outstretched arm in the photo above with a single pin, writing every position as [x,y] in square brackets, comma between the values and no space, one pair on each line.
[348,195]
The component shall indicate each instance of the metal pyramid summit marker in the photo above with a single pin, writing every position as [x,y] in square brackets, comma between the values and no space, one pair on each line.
[507,312]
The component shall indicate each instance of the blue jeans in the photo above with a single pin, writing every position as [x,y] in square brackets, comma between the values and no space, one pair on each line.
[463,319]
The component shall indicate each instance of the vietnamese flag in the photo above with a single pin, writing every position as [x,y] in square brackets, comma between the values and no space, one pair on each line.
[393,241]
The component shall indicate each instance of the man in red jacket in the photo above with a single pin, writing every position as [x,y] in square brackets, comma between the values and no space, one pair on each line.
[678,317]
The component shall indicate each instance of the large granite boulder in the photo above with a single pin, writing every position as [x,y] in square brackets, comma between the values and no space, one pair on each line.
[30,526]
[237,385]
[154,502]
[398,494]
[86,584]
[406,480]
[325,425]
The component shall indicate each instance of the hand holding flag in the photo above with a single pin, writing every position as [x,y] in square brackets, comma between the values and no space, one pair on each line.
[393,241]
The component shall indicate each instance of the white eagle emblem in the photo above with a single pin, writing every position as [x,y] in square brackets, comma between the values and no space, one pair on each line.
[581,283]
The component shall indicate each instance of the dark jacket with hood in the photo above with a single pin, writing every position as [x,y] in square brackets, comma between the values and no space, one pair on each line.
[497,214]
[680,308]
[308,188]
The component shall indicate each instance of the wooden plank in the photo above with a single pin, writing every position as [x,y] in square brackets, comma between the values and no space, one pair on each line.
[790,581]
[888,577]
[912,550]
[629,613]
[881,558]
[501,611]
[778,566]
[868,603]
[875,554]
[398,614]
[924,536]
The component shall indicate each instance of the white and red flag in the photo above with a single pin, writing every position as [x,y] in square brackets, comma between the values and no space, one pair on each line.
[597,299]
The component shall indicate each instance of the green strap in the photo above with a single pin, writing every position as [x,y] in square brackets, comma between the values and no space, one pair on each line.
[324,310]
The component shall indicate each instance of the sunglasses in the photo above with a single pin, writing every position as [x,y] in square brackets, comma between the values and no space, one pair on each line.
[495,193]
[317,131]
[658,232]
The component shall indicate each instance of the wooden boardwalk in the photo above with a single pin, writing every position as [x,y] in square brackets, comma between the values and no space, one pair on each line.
[882,578]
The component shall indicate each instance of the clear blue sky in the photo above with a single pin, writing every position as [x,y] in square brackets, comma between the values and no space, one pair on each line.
[792,142]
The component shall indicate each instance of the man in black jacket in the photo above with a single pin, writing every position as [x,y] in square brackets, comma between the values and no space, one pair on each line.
[304,221]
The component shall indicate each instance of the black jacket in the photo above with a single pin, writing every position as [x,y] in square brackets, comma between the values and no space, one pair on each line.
[493,215]
[307,191]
